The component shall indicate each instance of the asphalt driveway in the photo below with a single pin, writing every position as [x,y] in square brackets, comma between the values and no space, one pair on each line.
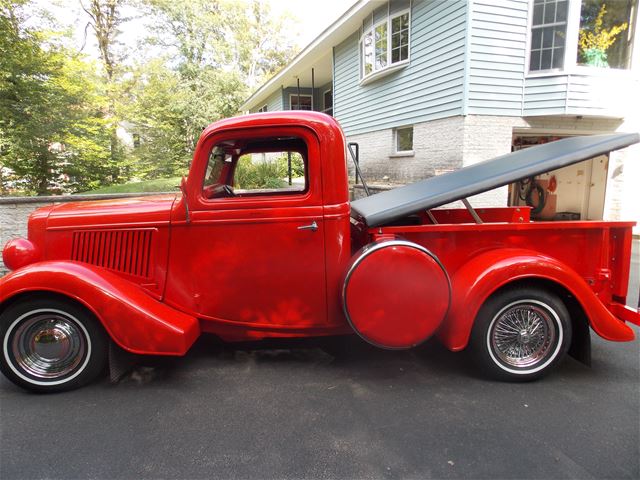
[357,413]
[333,409]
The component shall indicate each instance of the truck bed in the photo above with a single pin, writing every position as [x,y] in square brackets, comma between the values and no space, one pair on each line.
[598,251]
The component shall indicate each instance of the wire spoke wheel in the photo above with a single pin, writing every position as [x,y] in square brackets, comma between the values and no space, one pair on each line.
[523,334]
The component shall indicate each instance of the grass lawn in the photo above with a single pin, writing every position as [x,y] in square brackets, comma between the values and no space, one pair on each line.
[159,185]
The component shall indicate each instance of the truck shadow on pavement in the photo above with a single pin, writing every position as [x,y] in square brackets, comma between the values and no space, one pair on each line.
[338,356]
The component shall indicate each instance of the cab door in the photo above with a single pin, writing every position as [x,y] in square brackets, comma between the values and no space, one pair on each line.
[248,254]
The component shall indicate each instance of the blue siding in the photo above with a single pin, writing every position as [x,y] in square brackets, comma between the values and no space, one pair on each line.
[595,95]
[431,86]
[273,102]
[545,95]
[497,57]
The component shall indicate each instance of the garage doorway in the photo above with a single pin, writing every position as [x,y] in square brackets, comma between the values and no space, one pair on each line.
[575,192]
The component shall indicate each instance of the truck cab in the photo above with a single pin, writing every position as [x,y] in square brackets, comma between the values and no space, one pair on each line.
[258,257]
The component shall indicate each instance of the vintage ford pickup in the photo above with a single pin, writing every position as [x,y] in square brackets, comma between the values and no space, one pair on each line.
[150,275]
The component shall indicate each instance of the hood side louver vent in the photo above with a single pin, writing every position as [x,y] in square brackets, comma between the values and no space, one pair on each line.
[125,251]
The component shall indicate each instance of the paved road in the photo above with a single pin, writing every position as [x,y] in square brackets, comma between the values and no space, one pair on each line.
[304,413]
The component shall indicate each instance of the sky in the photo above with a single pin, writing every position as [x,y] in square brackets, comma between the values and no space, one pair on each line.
[312,17]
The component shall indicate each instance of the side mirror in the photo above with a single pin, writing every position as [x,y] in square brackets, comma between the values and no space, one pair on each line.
[185,197]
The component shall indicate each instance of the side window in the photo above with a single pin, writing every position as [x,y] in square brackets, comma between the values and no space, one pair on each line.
[256,167]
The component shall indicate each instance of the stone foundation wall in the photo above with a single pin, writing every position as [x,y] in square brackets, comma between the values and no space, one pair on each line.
[15,211]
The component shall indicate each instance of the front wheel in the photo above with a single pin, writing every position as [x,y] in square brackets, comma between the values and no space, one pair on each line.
[51,345]
[520,334]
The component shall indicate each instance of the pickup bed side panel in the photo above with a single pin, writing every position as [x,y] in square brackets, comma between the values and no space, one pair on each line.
[474,282]
[134,320]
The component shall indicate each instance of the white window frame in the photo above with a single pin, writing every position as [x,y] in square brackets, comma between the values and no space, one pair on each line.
[302,95]
[390,67]
[324,105]
[396,143]
[567,31]
[264,108]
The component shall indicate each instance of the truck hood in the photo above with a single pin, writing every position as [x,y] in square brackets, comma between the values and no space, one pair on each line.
[151,210]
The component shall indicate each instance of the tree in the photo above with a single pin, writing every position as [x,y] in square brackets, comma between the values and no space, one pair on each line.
[218,49]
[154,97]
[261,46]
[105,19]
[193,34]
[48,100]
[59,112]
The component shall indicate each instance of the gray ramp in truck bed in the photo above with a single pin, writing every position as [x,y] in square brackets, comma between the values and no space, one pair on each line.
[433,192]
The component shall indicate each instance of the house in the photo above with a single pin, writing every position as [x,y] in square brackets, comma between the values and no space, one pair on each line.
[428,86]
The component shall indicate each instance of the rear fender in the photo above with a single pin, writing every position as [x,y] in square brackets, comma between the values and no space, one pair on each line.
[476,280]
[135,321]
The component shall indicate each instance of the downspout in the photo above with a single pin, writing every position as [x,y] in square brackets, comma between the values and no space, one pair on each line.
[313,90]
[333,82]
[467,61]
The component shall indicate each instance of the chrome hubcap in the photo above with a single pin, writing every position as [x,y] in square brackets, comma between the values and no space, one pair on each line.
[523,334]
[48,345]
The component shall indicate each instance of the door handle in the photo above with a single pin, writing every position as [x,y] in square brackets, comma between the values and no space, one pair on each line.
[313,227]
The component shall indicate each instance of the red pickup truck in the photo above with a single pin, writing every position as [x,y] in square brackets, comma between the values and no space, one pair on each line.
[298,259]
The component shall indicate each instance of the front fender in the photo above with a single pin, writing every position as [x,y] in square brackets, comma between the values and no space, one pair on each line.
[476,280]
[135,321]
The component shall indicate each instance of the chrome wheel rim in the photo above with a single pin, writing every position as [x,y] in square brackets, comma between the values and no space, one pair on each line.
[525,336]
[47,346]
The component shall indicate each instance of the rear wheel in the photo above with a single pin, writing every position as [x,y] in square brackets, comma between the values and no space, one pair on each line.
[51,345]
[521,334]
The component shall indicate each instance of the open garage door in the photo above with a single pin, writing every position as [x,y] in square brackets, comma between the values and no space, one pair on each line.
[575,192]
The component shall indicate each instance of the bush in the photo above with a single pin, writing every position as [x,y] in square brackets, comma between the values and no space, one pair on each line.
[271,173]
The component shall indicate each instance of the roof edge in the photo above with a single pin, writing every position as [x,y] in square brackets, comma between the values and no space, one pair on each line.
[315,43]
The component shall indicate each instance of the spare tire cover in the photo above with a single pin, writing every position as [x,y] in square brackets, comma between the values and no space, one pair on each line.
[396,294]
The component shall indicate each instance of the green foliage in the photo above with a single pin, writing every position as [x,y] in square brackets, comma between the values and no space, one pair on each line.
[251,175]
[60,113]
[271,173]
[297,164]
[157,121]
[157,185]
[260,45]
[50,109]
[194,35]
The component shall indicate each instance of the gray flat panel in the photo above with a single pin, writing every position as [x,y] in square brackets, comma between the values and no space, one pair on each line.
[433,192]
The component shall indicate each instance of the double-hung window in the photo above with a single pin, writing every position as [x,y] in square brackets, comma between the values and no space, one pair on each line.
[385,39]
[300,102]
[548,34]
